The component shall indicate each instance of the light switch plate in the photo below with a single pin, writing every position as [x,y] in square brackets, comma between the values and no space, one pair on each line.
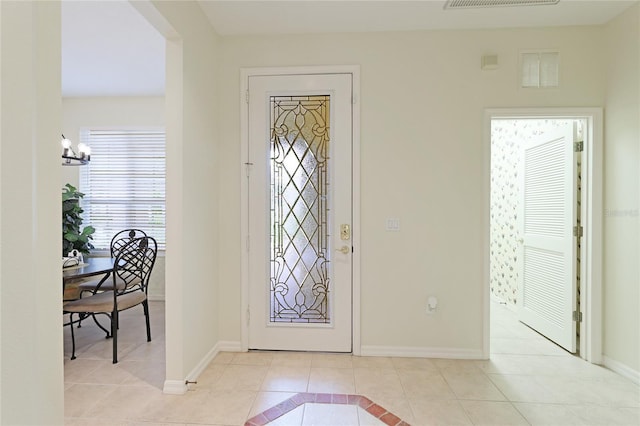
[393,224]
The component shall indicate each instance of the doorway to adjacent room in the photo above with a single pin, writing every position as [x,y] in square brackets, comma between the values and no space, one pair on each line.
[544,227]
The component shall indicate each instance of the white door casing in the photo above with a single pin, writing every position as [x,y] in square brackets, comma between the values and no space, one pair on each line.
[263,331]
[547,290]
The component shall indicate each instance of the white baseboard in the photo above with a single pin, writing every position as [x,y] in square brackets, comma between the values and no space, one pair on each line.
[622,369]
[156,297]
[179,387]
[202,365]
[175,387]
[496,299]
[229,346]
[414,352]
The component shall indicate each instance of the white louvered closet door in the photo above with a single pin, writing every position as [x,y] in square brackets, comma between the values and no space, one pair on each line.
[547,296]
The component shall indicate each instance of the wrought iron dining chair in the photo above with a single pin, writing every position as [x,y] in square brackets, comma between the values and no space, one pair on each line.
[118,242]
[132,267]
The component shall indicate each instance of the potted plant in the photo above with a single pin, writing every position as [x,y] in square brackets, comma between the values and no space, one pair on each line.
[73,237]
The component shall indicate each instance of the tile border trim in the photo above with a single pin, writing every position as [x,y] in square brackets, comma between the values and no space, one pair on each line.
[302,398]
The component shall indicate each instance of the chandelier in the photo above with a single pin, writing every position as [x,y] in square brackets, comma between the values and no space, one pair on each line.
[71,158]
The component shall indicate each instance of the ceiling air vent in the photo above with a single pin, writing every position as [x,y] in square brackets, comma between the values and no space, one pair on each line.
[468,4]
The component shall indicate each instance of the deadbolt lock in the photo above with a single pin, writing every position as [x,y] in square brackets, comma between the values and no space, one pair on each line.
[345,232]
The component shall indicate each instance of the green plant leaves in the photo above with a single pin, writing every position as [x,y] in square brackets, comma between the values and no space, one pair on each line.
[72,235]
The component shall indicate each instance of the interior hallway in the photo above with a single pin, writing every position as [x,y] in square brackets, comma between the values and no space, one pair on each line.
[528,381]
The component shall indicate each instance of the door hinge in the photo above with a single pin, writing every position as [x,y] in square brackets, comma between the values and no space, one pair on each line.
[578,231]
[248,168]
[248,314]
[578,146]
[246,96]
[577,316]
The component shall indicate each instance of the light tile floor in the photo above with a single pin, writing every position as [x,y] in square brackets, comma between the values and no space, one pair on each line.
[527,381]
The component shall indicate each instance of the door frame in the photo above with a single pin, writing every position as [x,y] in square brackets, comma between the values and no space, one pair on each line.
[245,73]
[591,250]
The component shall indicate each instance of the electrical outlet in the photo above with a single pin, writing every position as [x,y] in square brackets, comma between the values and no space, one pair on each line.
[432,305]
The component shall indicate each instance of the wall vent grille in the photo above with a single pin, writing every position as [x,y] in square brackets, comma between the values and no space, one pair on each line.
[468,4]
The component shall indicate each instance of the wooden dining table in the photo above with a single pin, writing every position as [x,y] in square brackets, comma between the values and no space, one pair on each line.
[92,267]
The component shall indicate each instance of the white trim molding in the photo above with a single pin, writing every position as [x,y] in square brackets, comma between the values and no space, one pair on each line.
[229,346]
[156,297]
[180,387]
[421,352]
[622,369]
[175,387]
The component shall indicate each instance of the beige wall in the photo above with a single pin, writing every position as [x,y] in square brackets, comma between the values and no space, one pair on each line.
[31,373]
[621,281]
[423,96]
[113,112]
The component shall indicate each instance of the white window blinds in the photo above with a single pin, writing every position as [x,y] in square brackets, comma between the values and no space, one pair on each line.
[124,184]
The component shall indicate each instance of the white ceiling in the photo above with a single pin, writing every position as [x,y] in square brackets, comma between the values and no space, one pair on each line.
[109,49]
[307,16]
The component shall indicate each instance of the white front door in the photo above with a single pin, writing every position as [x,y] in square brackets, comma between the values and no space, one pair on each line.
[548,213]
[300,212]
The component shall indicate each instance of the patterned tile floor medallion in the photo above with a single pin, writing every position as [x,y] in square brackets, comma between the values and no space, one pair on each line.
[281,409]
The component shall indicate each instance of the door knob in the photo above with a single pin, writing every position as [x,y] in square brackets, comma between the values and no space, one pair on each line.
[344,249]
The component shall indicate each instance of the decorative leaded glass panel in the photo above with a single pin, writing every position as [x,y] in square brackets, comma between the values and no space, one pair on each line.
[299,209]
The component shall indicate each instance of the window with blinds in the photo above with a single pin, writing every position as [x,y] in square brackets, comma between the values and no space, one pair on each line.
[124,184]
